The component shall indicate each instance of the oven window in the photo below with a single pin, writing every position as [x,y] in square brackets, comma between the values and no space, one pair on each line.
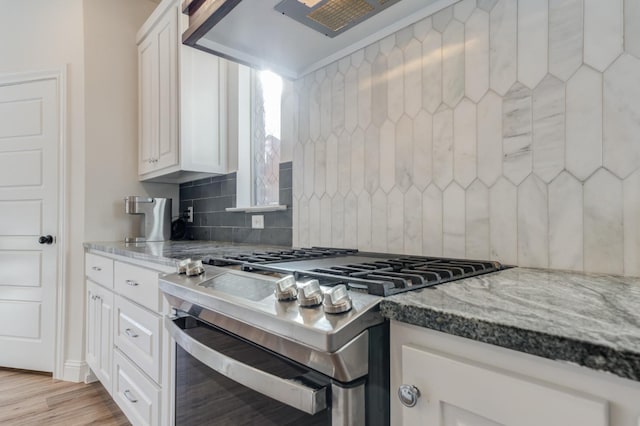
[204,396]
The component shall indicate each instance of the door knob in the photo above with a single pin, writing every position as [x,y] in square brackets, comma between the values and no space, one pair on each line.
[45,239]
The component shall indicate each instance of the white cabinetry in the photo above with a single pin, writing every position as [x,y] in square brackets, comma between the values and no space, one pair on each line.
[464,382]
[100,333]
[457,391]
[182,103]
[127,349]
[158,91]
[137,396]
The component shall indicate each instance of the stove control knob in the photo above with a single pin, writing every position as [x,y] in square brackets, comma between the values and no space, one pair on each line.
[310,294]
[194,268]
[286,288]
[337,300]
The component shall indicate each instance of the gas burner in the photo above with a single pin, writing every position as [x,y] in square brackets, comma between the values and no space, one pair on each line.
[374,273]
[266,257]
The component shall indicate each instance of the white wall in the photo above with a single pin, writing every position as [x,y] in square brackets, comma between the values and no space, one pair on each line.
[48,34]
[503,129]
[111,108]
[101,139]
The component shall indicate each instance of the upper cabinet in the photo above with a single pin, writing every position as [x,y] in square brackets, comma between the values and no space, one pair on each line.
[182,103]
[158,96]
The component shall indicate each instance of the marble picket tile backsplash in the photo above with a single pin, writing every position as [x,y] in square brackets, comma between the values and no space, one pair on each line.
[499,129]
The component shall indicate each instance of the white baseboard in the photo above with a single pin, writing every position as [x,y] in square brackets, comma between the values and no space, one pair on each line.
[75,371]
[90,377]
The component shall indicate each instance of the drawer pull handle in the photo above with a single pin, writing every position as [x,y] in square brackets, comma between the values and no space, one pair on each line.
[290,392]
[130,333]
[132,283]
[130,396]
[96,268]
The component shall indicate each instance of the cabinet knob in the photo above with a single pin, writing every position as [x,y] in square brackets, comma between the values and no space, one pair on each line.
[131,283]
[408,395]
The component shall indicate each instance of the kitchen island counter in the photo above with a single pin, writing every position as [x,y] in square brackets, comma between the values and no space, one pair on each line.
[171,252]
[591,320]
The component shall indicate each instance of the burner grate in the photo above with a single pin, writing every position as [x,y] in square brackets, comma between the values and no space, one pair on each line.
[396,275]
[277,256]
[381,274]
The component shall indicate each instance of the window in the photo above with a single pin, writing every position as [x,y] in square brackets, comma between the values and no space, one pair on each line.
[266,98]
[259,106]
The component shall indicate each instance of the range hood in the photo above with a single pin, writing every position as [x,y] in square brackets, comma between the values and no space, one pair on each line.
[296,37]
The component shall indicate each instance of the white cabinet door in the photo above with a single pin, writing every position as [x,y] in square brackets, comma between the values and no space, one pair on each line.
[456,392]
[148,109]
[167,139]
[100,333]
[158,96]
[203,113]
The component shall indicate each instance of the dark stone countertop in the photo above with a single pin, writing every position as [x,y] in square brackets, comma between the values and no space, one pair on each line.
[592,320]
[171,252]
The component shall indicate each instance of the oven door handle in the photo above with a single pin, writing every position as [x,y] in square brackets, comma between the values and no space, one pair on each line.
[289,392]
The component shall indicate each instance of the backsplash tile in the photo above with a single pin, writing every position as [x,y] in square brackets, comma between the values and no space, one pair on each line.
[603,224]
[211,196]
[565,37]
[631,191]
[566,223]
[603,32]
[503,36]
[632,27]
[584,123]
[502,129]
[533,41]
[621,122]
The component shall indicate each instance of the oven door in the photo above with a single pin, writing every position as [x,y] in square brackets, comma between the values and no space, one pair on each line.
[224,380]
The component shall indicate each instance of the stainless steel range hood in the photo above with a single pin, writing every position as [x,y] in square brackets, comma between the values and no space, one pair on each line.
[296,37]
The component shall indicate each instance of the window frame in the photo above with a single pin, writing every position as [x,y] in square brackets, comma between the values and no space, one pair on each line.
[244,174]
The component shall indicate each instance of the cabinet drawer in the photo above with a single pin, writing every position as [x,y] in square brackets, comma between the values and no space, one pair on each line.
[99,269]
[138,284]
[135,394]
[138,336]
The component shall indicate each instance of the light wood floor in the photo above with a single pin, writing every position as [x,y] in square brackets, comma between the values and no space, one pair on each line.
[28,398]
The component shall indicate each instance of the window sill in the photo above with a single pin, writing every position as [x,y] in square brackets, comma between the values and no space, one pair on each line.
[257,209]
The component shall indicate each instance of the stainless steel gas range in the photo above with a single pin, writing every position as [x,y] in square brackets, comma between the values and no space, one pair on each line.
[292,336]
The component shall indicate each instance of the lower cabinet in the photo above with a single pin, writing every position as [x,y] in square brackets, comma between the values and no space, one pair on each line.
[135,394]
[100,333]
[127,349]
[458,392]
[439,379]
[137,335]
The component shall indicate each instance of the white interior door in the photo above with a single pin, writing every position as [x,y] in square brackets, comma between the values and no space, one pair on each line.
[29,185]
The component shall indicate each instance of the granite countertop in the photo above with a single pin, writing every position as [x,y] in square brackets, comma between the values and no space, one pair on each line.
[589,319]
[171,252]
